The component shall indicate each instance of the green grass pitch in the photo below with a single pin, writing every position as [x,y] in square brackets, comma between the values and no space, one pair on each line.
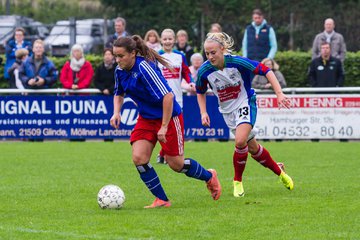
[48,191]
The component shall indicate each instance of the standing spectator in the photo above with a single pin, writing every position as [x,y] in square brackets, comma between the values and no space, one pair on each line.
[196,61]
[76,73]
[336,41]
[183,46]
[14,44]
[261,82]
[104,76]
[21,55]
[120,31]
[214,28]
[259,40]
[326,70]
[38,72]
[152,40]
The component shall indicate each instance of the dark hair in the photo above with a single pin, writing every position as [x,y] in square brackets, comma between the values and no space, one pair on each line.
[19,29]
[108,50]
[325,43]
[257,12]
[135,43]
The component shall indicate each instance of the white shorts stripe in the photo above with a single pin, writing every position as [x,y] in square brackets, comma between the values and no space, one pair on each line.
[179,134]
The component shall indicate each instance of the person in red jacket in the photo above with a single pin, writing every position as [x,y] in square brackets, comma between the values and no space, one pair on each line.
[76,73]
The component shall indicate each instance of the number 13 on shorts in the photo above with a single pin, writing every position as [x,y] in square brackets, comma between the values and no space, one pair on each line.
[243,112]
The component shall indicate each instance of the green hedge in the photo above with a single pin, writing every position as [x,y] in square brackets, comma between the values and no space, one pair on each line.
[294,66]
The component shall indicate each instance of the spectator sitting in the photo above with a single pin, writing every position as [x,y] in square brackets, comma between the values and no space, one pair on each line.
[21,55]
[183,46]
[14,44]
[326,70]
[104,76]
[120,26]
[152,40]
[76,73]
[261,82]
[259,40]
[336,41]
[196,61]
[38,72]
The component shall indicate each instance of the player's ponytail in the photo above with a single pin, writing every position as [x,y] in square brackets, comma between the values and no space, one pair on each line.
[137,44]
[223,39]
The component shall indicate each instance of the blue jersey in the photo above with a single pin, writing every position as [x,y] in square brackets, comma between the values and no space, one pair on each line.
[146,86]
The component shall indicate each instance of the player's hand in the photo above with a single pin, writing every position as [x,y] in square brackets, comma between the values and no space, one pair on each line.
[162,134]
[115,121]
[283,101]
[205,119]
[192,88]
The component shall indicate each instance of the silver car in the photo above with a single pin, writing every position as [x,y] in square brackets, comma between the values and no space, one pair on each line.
[89,34]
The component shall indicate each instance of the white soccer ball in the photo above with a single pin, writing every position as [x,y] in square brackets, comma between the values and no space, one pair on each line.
[111,197]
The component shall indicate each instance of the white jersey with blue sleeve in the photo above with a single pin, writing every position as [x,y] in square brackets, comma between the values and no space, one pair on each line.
[232,85]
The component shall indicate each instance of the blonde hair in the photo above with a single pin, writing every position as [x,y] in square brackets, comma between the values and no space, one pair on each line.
[275,66]
[223,39]
[20,53]
[39,41]
[182,33]
[152,32]
[168,30]
[217,26]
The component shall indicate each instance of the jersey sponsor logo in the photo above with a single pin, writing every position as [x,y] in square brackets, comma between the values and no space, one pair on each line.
[129,113]
[168,74]
[231,92]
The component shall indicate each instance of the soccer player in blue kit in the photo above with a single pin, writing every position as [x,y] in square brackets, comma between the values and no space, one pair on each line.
[230,79]
[160,117]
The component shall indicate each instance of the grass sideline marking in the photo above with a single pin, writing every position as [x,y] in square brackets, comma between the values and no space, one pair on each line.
[64,234]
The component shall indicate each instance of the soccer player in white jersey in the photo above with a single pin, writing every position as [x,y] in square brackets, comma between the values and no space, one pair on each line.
[179,77]
[230,79]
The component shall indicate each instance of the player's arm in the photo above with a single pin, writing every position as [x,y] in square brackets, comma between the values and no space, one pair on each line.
[201,89]
[116,118]
[168,101]
[205,119]
[283,100]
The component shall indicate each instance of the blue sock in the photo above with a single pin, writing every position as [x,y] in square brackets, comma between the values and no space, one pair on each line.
[193,169]
[152,181]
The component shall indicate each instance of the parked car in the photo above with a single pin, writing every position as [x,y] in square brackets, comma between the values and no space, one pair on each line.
[89,34]
[33,29]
